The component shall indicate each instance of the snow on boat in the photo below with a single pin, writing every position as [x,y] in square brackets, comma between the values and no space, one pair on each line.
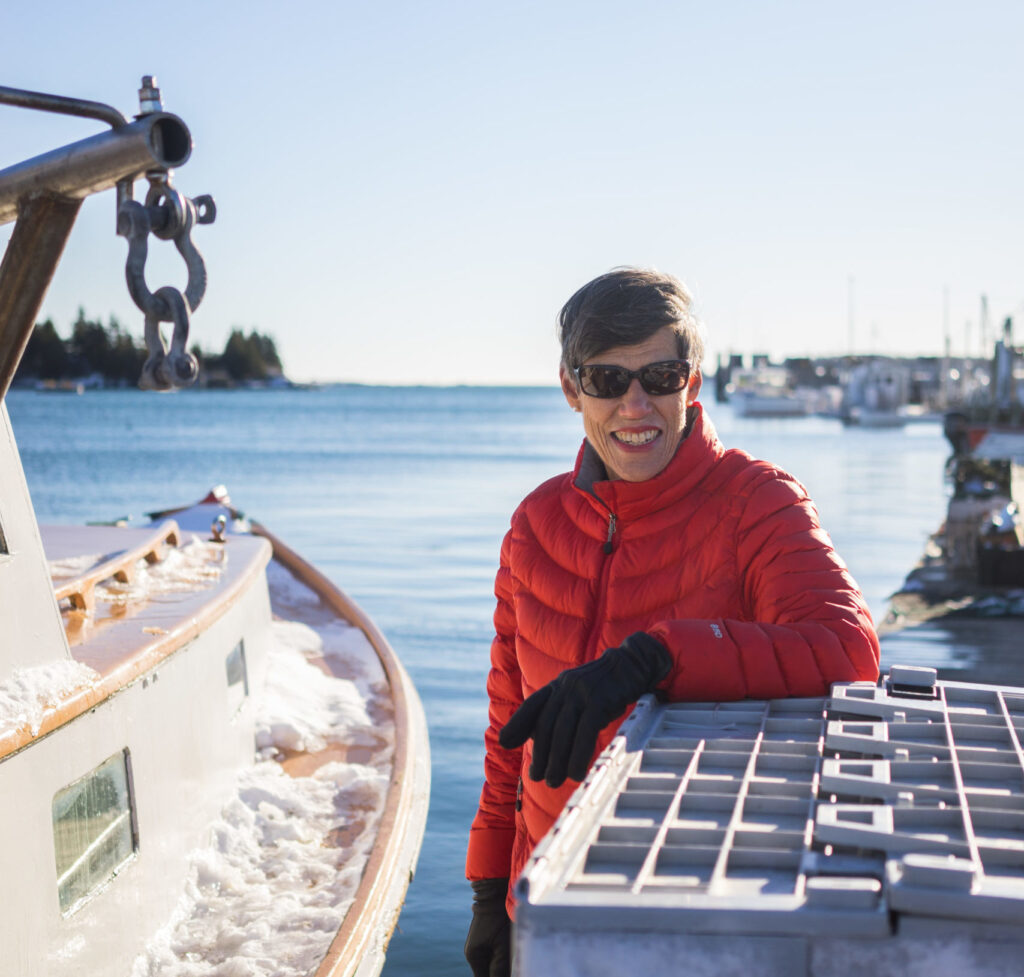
[211,759]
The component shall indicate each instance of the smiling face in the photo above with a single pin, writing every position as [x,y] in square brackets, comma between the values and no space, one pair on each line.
[637,434]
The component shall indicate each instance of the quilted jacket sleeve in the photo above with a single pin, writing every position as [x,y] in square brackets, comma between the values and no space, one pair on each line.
[493,830]
[805,624]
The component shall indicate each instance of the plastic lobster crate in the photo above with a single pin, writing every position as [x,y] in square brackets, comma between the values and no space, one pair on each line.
[879,831]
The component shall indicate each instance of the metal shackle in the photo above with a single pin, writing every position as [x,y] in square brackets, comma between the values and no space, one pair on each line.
[170,216]
[171,366]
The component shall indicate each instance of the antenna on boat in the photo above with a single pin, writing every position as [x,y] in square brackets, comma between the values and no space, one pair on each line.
[44,194]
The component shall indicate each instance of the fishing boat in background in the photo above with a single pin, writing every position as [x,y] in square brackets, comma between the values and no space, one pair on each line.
[199,733]
[989,423]
[973,564]
[984,529]
[876,394]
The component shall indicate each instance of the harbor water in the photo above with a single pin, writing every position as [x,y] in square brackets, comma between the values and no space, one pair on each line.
[402,496]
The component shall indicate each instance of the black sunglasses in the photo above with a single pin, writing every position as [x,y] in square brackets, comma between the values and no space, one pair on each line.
[658,379]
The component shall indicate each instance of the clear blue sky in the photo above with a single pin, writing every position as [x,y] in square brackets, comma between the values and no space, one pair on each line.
[409,191]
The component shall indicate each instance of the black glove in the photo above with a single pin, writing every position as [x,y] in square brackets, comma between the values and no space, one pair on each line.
[489,943]
[565,717]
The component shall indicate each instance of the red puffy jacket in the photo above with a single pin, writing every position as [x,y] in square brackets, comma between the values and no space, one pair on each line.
[720,557]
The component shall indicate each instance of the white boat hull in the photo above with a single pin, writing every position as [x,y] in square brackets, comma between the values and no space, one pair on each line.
[187,732]
[186,738]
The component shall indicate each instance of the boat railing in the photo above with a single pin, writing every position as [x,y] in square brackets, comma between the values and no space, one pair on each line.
[125,647]
[80,590]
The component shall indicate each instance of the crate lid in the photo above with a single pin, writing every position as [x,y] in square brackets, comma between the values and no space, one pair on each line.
[785,816]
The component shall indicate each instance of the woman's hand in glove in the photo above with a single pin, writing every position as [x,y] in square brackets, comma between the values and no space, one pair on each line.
[566,716]
[489,943]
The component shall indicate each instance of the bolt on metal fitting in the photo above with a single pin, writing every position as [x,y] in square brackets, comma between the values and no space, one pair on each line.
[150,99]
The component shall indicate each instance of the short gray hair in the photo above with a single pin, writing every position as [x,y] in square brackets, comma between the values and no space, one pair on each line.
[624,307]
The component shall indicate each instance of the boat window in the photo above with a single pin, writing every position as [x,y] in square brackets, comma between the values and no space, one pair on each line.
[238,676]
[93,831]
[3,542]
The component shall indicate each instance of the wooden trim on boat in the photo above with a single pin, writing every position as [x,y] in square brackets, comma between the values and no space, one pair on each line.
[152,650]
[360,931]
[80,591]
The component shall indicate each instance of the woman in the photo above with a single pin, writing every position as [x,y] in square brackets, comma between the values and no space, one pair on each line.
[662,563]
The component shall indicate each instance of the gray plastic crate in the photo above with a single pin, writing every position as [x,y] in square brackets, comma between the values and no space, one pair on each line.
[880,830]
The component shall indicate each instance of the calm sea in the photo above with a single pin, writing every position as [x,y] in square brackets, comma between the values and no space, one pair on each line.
[402,495]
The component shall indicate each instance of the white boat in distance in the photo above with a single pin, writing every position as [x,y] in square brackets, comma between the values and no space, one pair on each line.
[208,752]
[760,403]
[765,391]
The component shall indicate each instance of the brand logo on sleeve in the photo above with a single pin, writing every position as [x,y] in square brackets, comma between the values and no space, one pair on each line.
[716,630]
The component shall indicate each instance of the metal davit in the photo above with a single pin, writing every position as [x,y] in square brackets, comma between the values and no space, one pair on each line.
[43,196]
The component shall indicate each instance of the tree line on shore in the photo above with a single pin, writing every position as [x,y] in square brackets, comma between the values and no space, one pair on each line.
[112,353]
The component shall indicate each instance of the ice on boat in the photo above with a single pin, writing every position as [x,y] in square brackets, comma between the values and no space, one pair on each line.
[269,892]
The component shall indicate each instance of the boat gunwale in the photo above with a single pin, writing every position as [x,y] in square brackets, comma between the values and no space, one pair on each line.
[151,653]
[409,786]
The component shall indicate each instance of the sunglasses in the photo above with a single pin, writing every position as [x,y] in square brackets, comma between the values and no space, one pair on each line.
[657,379]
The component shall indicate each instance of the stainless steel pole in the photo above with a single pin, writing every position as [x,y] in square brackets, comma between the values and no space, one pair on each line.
[158,141]
[61,104]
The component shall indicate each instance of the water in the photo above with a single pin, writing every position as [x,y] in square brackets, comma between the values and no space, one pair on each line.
[402,496]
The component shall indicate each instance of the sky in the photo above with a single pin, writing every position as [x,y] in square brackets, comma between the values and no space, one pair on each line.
[409,192]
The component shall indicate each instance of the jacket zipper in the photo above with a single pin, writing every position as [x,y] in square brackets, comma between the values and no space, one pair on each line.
[611,532]
[519,795]
[590,652]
